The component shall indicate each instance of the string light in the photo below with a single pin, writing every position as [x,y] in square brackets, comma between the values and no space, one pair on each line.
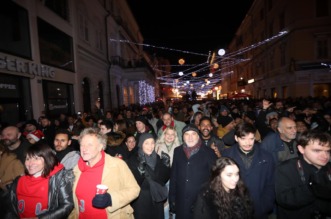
[146,93]
[228,61]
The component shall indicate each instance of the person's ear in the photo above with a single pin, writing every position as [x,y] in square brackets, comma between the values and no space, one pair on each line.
[301,149]
[236,138]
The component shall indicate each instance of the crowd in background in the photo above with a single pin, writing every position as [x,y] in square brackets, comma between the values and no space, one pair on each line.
[165,160]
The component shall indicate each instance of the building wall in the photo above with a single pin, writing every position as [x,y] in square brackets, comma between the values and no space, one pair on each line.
[89,26]
[280,66]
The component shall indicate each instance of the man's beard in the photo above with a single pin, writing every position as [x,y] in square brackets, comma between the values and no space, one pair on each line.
[203,133]
[8,143]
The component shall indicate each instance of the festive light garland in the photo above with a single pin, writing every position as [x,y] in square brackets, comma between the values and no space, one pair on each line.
[226,61]
[146,93]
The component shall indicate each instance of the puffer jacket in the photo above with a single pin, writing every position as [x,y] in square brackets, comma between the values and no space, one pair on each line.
[60,201]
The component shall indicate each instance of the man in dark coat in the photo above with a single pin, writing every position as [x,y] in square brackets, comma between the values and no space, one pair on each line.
[256,169]
[190,169]
[282,145]
[303,184]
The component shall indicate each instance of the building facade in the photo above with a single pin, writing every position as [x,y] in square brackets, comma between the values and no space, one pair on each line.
[60,56]
[283,50]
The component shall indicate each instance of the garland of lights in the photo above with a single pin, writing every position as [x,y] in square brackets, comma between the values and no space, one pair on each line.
[146,93]
[200,84]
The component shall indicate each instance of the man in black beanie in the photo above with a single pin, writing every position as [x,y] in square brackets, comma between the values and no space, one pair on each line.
[143,126]
[190,169]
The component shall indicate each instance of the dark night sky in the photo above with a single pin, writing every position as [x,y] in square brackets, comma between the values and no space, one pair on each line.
[194,26]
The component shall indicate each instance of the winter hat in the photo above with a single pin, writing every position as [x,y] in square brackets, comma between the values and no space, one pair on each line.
[143,137]
[141,119]
[36,135]
[224,120]
[190,127]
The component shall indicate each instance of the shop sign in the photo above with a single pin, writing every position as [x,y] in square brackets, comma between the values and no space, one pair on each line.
[26,67]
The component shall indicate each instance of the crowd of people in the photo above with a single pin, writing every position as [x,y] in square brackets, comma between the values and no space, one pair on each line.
[203,159]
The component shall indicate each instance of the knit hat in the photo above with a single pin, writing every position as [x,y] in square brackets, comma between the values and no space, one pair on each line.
[36,135]
[143,137]
[224,120]
[142,119]
[190,127]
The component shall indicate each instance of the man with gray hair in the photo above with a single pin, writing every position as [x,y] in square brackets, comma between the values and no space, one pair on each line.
[282,145]
[96,167]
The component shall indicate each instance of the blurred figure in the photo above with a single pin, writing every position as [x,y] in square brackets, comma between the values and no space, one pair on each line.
[45,190]
[196,118]
[11,138]
[35,136]
[226,124]
[151,172]
[127,149]
[10,168]
[302,127]
[225,196]
[96,167]
[113,138]
[48,129]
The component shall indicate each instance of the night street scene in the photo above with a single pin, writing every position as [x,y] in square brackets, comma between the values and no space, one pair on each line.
[141,109]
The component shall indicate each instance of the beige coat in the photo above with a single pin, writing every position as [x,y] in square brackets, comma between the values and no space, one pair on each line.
[122,185]
[10,168]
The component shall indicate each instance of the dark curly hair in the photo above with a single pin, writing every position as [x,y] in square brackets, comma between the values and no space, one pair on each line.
[235,204]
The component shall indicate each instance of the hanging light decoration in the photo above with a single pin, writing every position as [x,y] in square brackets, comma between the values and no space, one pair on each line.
[181,61]
[180,73]
[194,74]
[215,66]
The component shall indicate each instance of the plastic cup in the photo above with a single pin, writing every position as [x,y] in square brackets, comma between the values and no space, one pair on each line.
[101,189]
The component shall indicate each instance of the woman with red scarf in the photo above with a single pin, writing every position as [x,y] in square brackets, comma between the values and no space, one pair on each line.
[45,191]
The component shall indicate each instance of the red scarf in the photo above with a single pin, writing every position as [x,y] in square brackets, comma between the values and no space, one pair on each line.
[172,124]
[32,194]
[189,151]
[86,188]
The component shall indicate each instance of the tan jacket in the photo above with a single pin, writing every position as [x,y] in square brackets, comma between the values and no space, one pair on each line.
[10,168]
[122,185]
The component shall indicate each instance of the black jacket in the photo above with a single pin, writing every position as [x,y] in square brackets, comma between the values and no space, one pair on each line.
[60,201]
[187,178]
[144,207]
[295,197]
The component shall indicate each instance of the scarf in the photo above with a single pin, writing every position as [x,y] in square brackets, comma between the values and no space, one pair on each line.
[150,159]
[189,151]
